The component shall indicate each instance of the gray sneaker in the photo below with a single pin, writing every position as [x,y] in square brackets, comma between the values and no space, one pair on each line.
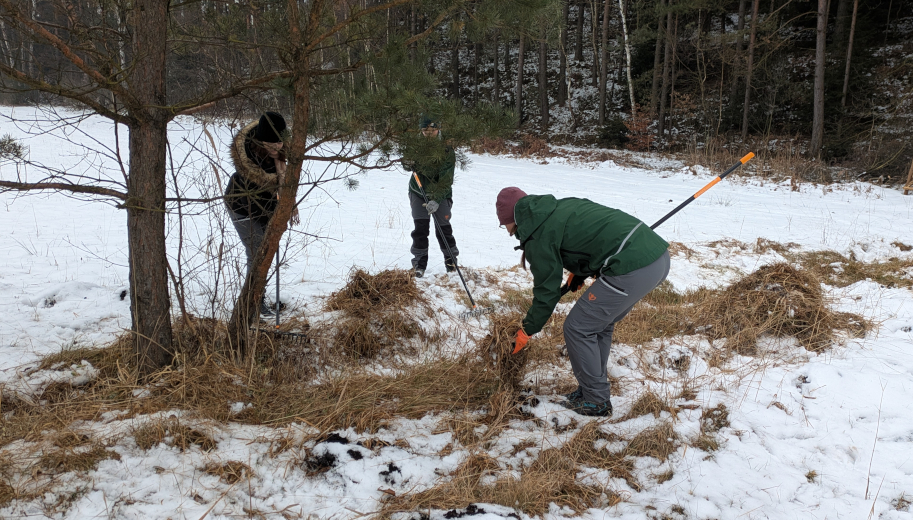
[419,272]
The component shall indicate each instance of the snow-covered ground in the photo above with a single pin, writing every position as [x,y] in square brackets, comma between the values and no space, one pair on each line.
[845,415]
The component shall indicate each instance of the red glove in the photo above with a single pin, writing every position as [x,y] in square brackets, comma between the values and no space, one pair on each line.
[520,342]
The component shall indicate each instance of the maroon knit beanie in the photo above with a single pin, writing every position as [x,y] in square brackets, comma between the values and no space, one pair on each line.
[507,199]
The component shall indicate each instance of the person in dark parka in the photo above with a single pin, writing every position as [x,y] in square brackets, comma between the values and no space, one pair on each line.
[252,193]
[627,258]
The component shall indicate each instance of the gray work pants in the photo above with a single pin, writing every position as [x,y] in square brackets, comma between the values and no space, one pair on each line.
[251,233]
[589,326]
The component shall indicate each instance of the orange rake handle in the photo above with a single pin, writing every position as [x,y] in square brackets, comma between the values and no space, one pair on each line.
[700,192]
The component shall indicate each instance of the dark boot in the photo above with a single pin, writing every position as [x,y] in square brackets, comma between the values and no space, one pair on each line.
[450,264]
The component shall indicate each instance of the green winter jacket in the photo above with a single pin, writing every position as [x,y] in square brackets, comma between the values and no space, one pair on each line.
[436,176]
[581,236]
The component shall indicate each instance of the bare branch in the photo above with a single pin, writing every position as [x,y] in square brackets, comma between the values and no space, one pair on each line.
[68,53]
[61,186]
[58,90]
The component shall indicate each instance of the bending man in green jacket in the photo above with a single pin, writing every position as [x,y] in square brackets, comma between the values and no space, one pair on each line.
[625,256]
[436,174]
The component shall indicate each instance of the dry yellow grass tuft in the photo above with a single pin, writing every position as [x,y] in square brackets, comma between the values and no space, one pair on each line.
[172,432]
[56,462]
[551,478]
[376,315]
[497,349]
[230,472]
[582,448]
[658,442]
[777,300]
[647,403]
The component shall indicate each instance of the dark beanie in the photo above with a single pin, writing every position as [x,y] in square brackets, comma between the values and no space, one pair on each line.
[269,128]
[427,121]
[507,199]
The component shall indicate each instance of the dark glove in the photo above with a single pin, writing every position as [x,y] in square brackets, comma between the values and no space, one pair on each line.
[573,284]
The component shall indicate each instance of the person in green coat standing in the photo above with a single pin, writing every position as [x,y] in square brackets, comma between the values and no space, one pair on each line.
[436,175]
[627,258]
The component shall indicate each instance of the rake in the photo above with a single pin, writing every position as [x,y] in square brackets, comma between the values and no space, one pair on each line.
[476,310]
[566,289]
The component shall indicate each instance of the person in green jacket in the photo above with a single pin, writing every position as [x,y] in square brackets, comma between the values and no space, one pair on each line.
[587,239]
[436,175]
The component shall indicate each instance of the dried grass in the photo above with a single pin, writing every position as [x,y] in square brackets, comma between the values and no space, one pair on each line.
[582,449]
[838,270]
[714,419]
[7,493]
[551,478]
[173,433]
[230,472]
[56,462]
[376,312]
[776,300]
[658,442]
[647,403]
[497,349]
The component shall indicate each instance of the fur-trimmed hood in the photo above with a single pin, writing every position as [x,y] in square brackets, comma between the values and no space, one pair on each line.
[246,167]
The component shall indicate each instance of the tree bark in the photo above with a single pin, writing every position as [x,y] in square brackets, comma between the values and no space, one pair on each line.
[496,93]
[246,308]
[594,63]
[840,24]
[748,70]
[562,56]
[476,51]
[736,66]
[624,28]
[578,44]
[849,54]
[817,141]
[455,71]
[150,306]
[603,61]
[543,84]
[518,89]
[667,66]
[657,60]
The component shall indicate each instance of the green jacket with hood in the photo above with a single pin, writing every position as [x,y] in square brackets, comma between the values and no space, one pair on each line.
[581,236]
[436,175]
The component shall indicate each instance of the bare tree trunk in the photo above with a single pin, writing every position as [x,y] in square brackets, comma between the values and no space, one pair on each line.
[246,306]
[496,93]
[149,302]
[738,53]
[562,56]
[748,70]
[849,54]
[455,70]
[476,50]
[657,57]
[518,92]
[543,84]
[578,45]
[818,114]
[840,24]
[594,63]
[667,66]
[624,28]
[603,61]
